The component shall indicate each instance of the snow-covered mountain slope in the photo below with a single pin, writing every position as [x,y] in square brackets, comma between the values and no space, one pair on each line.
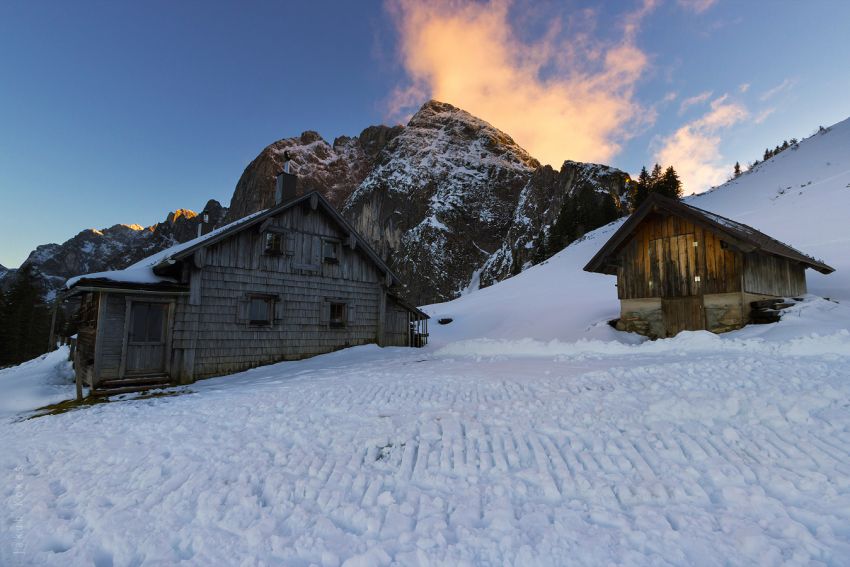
[447,199]
[801,197]
[441,198]
[335,170]
[112,248]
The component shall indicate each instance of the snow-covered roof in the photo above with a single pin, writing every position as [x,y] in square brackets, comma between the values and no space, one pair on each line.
[144,271]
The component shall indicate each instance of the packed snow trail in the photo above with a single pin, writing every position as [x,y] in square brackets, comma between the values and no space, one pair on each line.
[410,457]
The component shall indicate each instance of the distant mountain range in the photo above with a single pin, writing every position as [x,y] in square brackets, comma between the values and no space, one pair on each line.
[447,199]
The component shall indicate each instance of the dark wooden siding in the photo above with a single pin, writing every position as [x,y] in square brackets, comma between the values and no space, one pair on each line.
[112,339]
[303,286]
[397,328]
[771,275]
[660,260]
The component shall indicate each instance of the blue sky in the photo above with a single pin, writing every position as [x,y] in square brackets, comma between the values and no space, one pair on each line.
[118,112]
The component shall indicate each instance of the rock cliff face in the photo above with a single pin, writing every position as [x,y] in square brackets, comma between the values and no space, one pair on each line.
[447,199]
[540,202]
[334,169]
[451,202]
[441,199]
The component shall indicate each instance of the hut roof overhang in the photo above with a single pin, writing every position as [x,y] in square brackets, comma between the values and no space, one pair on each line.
[159,268]
[741,236]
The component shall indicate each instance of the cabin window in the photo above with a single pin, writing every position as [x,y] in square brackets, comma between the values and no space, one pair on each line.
[260,310]
[330,251]
[337,315]
[273,243]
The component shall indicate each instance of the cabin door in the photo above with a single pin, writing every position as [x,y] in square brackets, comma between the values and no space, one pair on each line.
[683,314]
[146,338]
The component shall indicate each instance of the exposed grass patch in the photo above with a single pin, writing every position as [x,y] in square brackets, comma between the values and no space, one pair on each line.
[74,404]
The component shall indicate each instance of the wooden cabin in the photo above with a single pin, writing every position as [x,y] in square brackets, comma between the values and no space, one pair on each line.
[682,268]
[287,283]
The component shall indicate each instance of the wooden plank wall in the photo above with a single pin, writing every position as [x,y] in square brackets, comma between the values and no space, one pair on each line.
[303,284]
[771,275]
[661,261]
[112,339]
[397,328]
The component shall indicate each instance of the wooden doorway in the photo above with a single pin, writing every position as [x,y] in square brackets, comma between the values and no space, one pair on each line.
[146,338]
[683,314]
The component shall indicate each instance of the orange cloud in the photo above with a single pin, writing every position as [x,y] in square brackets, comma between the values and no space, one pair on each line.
[694,149]
[560,99]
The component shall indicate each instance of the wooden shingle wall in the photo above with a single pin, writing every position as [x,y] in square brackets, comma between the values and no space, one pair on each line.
[212,329]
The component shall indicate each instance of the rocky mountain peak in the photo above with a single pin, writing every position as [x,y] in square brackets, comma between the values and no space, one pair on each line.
[178,214]
[449,200]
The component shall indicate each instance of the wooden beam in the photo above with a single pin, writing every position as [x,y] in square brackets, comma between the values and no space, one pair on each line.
[382,314]
[98,340]
[51,340]
[199,258]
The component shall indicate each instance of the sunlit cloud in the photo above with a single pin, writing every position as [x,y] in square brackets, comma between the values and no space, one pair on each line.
[694,149]
[693,101]
[762,116]
[698,6]
[560,98]
[784,85]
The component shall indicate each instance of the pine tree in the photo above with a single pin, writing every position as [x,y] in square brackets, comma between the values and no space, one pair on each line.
[767,155]
[654,177]
[669,184]
[639,190]
[26,319]
[737,171]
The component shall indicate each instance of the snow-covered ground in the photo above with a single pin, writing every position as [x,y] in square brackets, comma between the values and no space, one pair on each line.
[528,433]
[45,380]
[696,450]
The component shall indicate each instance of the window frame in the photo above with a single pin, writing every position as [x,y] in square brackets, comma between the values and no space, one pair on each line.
[342,323]
[337,248]
[270,303]
[273,236]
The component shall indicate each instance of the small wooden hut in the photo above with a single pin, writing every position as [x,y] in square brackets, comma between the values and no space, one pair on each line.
[287,283]
[682,268]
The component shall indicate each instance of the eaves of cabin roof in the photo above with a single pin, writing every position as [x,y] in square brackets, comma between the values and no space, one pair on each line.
[409,306]
[238,227]
[744,237]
